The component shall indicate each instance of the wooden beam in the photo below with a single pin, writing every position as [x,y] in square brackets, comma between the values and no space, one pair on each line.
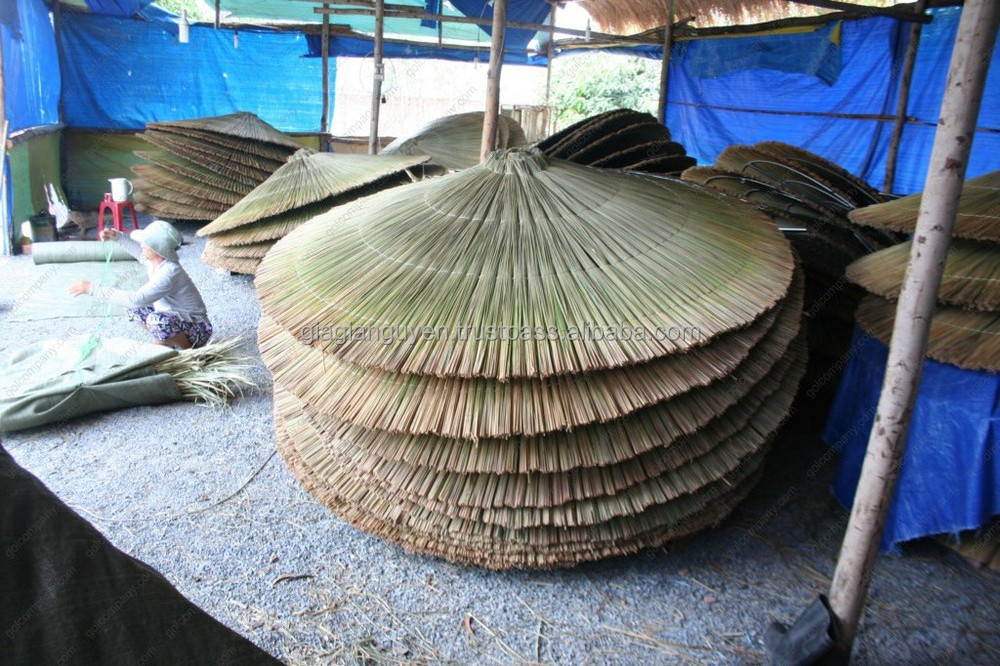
[415,13]
[970,59]
[668,46]
[491,119]
[377,78]
[218,13]
[891,12]
[903,104]
[325,54]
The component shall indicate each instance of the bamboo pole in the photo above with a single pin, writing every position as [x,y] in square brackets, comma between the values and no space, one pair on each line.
[892,12]
[8,231]
[373,146]
[550,53]
[492,116]
[324,120]
[945,174]
[668,46]
[218,13]
[904,101]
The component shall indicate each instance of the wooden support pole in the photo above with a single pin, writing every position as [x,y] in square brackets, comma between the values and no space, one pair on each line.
[963,95]
[491,118]
[324,121]
[904,102]
[893,12]
[550,53]
[379,75]
[668,47]
[218,13]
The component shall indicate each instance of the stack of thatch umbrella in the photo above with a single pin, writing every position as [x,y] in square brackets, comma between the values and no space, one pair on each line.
[203,166]
[458,367]
[965,330]
[454,142]
[808,197]
[309,184]
[619,139]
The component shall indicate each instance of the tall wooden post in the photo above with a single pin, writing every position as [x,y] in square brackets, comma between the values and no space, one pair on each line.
[218,13]
[379,75]
[324,121]
[963,95]
[904,101]
[491,118]
[668,46]
[550,54]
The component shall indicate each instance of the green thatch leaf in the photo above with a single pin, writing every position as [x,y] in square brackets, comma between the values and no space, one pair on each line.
[454,142]
[525,241]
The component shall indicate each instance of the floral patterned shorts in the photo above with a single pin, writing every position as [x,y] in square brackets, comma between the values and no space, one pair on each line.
[165,325]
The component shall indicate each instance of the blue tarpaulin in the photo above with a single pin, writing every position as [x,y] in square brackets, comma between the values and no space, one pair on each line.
[30,63]
[950,473]
[121,73]
[763,100]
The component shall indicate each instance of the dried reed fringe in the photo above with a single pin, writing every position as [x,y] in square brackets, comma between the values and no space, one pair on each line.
[155,176]
[273,228]
[472,259]
[309,177]
[174,196]
[454,142]
[476,408]
[971,276]
[978,211]
[217,258]
[241,124]
[212,374]
[158,207]
[227,162]
[187,169]
[960,337]
[222,141]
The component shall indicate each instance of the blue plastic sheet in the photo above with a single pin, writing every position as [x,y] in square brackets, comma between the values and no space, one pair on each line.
[118,7]
[949,478]
[122,73]
[758,102]
[30,63]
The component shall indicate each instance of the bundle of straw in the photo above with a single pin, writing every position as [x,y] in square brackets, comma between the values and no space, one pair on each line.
[309,184]
[619,139]
[965,330]
[454,142]
[205,165]
[546,450]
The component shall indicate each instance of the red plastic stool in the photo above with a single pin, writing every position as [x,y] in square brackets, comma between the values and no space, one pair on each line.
[116,208]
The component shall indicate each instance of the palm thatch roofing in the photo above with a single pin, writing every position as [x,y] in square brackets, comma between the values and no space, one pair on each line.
[977,211]
[637,15]
[619,139]
[957,336]
[971,276]
[525,453]
[203,166]
[454,142]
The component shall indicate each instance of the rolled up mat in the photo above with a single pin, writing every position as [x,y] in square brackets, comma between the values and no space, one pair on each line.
[70,252]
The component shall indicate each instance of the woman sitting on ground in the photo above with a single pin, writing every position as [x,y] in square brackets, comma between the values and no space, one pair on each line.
[169,306]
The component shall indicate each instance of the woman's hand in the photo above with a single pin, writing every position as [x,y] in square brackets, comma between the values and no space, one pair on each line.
[81,287]
[108,234]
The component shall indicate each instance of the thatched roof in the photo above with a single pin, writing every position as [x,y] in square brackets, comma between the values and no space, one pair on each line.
[637,15]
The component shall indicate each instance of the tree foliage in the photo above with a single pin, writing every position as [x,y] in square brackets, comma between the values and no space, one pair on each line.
[588,84]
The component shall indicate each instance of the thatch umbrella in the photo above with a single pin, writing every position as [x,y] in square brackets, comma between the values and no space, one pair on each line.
[971,276]
[454,142]
[205,165]
[532,452]
[977,211]
[960,337]
[619,139]
[309,184]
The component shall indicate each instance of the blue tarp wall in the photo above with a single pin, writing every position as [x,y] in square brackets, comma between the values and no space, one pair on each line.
[121,73]
[741,90]
[30,63]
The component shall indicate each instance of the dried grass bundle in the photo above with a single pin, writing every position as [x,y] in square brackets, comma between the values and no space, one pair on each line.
[454,142]
[271,228]
[528,242]
[152,176]
[978,211]
[174,196]
[960,337]
[211,374]
[158,207]
[228,163]
[218,257]
[187,169]
[226,142]
[241,125]
[971,276]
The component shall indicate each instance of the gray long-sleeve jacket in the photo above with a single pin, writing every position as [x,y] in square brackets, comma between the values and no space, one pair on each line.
[168,288]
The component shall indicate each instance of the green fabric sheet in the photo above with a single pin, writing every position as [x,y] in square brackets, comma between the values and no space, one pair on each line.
[47,296]
[45,382]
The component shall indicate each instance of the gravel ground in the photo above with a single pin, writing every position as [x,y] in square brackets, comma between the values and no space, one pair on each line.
[202,496]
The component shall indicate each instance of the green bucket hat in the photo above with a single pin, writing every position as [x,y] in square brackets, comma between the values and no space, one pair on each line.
[161,237]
